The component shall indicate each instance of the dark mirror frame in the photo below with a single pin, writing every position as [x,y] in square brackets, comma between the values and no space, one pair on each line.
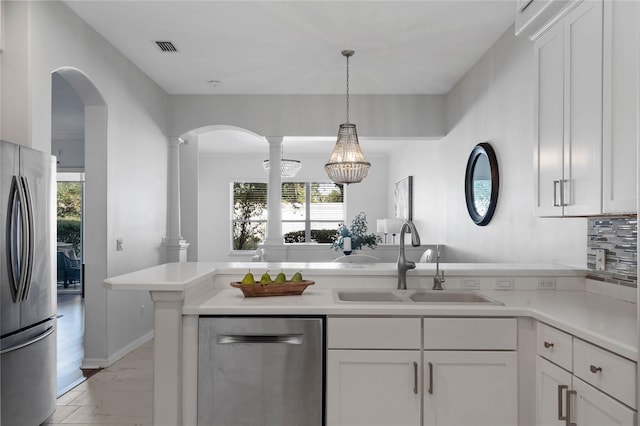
[483,148]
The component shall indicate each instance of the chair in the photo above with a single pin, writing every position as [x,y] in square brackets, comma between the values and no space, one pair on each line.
[68,270]
[357,258]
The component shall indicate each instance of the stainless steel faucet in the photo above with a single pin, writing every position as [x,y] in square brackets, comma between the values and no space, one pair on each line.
[403,264]
[438,279]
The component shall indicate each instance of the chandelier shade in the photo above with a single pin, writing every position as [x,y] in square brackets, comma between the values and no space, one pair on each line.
[288,168]
[347,163]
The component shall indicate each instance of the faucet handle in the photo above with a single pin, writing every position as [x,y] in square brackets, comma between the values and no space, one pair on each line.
[411,264]
[442,276]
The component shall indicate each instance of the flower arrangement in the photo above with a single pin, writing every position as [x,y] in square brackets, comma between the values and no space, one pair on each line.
[358,234]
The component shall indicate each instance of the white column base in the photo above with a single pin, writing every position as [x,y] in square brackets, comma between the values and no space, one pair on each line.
[176,250]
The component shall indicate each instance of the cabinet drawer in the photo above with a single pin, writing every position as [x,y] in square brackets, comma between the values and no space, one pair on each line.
[373,333]
[555,345]
[470,333]
[606,371]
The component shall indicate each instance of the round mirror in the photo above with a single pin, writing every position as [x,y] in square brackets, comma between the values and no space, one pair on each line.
[481,183]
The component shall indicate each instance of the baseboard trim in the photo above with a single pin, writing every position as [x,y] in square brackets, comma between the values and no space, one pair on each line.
[93,363]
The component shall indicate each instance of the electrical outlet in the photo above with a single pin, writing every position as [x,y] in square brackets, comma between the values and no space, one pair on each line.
[601,256]
[470,284]
[504,284]
[119,244]
[548,283]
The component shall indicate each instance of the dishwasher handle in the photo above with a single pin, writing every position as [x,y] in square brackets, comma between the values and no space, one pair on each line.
[289,339]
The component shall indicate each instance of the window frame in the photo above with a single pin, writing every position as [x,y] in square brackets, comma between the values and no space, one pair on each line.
[307,206]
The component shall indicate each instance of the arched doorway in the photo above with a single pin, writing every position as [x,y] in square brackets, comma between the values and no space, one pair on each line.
[202,141]
[84,153]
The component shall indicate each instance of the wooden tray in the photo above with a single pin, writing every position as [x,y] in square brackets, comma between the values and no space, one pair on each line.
[287,288]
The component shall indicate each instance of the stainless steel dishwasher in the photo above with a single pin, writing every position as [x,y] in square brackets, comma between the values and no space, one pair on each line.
[261,371]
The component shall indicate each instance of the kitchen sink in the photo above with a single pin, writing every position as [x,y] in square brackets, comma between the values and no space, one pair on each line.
[371,296]
[449,297]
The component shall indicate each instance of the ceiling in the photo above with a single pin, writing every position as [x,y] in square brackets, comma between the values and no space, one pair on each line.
[293,47]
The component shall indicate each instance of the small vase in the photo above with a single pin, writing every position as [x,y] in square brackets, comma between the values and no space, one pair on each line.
[347,253]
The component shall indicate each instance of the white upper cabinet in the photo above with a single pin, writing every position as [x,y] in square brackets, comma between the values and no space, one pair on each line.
[587,111]
[533,16]
[549,54]
[620,101]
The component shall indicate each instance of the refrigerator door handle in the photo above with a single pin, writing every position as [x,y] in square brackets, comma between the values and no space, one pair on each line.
[31,341]
[20,238]
[13,245]
[28,237]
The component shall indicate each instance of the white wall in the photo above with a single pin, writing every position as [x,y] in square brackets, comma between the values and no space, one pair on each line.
[492,102]
[311,115]
[217,172]
[46,36]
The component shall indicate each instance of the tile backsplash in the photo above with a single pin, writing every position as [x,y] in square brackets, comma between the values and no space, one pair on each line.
[618,237]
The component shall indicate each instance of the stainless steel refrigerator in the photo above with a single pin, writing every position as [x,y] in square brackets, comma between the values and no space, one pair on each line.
[27,287]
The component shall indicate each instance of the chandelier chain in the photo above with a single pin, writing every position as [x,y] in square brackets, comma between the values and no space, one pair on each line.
[347,89]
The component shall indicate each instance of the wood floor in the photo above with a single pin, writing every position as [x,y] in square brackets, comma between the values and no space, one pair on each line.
[70,341]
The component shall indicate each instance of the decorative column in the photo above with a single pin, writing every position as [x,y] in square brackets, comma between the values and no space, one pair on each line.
[274,243]
[176,246]
[274,193]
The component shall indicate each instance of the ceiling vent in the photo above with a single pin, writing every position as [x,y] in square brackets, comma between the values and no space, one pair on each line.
[166,46]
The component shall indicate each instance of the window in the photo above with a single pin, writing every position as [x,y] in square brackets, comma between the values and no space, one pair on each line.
[249,216]
[311,212]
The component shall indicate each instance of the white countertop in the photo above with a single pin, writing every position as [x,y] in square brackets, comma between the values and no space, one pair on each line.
[603,321]
[181,276]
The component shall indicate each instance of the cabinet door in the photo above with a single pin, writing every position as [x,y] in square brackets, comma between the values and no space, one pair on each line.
[583,110]
[369,387]
[594,408]
[549,119]
[552,384]
[620,96]
[470,388]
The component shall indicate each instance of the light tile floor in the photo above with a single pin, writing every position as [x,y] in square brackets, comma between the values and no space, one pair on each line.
[121,395]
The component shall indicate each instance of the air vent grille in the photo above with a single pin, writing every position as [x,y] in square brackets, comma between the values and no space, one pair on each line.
[166,46]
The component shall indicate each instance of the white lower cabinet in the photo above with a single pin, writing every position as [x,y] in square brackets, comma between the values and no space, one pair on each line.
[457,372]
[373,387]
[594,408]
[552,384]
[563,398]
[470,388]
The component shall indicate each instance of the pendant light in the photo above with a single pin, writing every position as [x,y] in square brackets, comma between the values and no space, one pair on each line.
[288,168]
[347,163]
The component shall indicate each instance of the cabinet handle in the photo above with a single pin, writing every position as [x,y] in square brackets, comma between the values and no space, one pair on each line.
[595,369]
[430,379]
[415,377]
[568,407]
[548,345]
[560,388]
[555,194]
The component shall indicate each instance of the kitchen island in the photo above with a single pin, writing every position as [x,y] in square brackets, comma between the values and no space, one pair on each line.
[182,292]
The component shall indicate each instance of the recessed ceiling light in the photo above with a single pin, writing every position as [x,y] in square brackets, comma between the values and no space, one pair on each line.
[214,83]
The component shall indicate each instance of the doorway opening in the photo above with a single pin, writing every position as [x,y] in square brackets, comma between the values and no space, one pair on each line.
[79,141]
